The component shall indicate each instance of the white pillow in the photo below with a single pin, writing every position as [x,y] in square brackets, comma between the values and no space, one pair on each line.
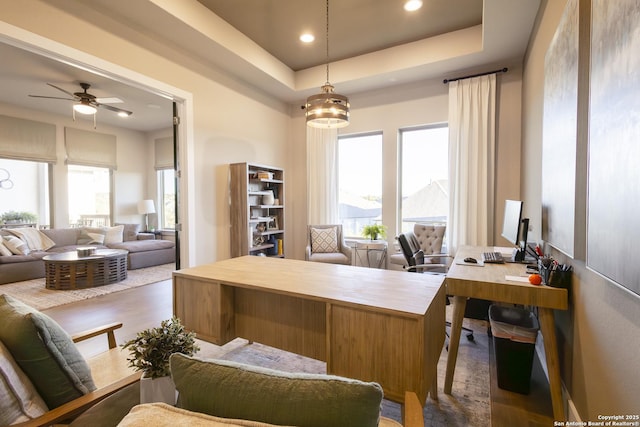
[4,251]
[114,234]
[324,240]
[15,245]
[92,236]
[21,402]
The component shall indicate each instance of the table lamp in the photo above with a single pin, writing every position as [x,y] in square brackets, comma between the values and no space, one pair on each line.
[145,207]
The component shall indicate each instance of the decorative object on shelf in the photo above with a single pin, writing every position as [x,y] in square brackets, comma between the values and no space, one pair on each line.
[5,179]
[372,231]
[327,109]
[265,175]
[267,198]
[146,207]
[150,352]
[273,223]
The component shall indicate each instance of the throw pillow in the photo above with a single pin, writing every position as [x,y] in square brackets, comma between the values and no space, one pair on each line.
[92,236]
[4,251]
[113,234]
[234,390]
[163,415]
[20,401]
[15,245]
[324,240]
[45,352]
[130,231]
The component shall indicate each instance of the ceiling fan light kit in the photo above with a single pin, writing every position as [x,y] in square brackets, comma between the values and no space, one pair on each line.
[84,107]
[327,109]
[84,102]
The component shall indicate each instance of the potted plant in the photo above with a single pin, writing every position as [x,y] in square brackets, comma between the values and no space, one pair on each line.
[150,352]
[372,231]
[14,217]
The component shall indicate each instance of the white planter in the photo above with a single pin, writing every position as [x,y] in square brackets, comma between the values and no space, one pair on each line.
[158,390]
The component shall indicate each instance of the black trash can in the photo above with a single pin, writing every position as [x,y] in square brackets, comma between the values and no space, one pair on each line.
[514,333]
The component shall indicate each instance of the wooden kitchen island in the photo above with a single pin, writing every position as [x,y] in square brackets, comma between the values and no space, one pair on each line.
[373,325]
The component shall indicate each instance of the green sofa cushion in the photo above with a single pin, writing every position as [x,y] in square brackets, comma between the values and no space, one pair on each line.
[233,390]
[45,352]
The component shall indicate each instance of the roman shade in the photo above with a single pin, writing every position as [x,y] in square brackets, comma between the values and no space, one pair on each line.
[90,148]
[22,139]
[164,153]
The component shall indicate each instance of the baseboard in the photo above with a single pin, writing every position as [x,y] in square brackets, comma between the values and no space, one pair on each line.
[569,408]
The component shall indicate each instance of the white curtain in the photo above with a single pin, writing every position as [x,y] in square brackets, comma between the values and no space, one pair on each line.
[322,176]
[471,161]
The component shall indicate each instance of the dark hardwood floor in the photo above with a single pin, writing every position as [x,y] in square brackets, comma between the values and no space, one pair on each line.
[146,306]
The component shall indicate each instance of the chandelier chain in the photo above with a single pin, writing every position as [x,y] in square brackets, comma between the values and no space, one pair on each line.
[327,41]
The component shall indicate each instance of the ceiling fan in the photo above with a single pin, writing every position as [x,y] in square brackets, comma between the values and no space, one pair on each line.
[85,103]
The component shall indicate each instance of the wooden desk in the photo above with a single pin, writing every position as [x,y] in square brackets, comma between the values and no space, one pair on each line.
[369,324]
[489,283]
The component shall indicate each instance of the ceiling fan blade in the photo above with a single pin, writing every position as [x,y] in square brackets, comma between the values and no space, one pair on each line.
[51,97]
[62,90]
[115,109]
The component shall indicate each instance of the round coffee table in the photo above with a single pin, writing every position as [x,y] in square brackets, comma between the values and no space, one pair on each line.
[67,270]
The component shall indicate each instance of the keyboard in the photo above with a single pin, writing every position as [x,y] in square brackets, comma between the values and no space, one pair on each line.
[492,257]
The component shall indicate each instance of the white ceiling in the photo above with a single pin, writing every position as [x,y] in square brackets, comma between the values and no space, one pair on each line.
[373,44]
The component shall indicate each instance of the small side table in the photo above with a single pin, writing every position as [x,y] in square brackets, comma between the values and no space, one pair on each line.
[375,251]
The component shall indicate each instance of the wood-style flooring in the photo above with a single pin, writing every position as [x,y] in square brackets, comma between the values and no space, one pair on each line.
[146,306]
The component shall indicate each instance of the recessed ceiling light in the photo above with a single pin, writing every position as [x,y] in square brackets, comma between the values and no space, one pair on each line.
[412,5]
[307,38]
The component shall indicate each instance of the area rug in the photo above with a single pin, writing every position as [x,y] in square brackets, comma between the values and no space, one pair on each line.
[33,292]
[468,405]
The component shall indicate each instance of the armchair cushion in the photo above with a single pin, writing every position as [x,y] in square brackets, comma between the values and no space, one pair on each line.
[45,352]
[233,390]
[324,240]
[20,401]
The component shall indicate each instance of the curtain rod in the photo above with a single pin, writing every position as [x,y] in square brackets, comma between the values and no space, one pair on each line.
[504,70]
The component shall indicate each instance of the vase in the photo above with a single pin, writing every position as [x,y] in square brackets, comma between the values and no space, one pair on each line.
[157,390]
[268,198]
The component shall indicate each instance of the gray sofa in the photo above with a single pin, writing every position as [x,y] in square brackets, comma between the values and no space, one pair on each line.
[144,251]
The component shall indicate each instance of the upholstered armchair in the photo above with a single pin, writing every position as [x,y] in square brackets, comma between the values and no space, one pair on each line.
[325,243]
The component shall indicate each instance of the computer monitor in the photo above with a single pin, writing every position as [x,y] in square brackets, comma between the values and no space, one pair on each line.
[514,226]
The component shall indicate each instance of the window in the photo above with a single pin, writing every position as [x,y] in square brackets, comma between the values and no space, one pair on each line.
[424,175]
[89,195]
[167,198]
[359,182]
[26,189]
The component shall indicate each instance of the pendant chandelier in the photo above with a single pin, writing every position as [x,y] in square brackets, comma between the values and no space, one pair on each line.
[327,109]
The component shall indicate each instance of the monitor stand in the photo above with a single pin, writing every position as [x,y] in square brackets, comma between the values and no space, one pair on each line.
[518,255]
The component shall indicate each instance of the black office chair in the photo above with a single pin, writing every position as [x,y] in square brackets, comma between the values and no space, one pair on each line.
[415,258]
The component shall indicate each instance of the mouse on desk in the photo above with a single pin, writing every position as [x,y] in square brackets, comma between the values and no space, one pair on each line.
[471,260]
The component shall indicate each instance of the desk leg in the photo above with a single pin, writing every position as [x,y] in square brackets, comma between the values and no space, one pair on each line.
[459,305]
[548,329]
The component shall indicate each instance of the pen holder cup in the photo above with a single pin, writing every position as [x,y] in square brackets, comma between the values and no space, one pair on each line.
[545,273]
[560,279]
